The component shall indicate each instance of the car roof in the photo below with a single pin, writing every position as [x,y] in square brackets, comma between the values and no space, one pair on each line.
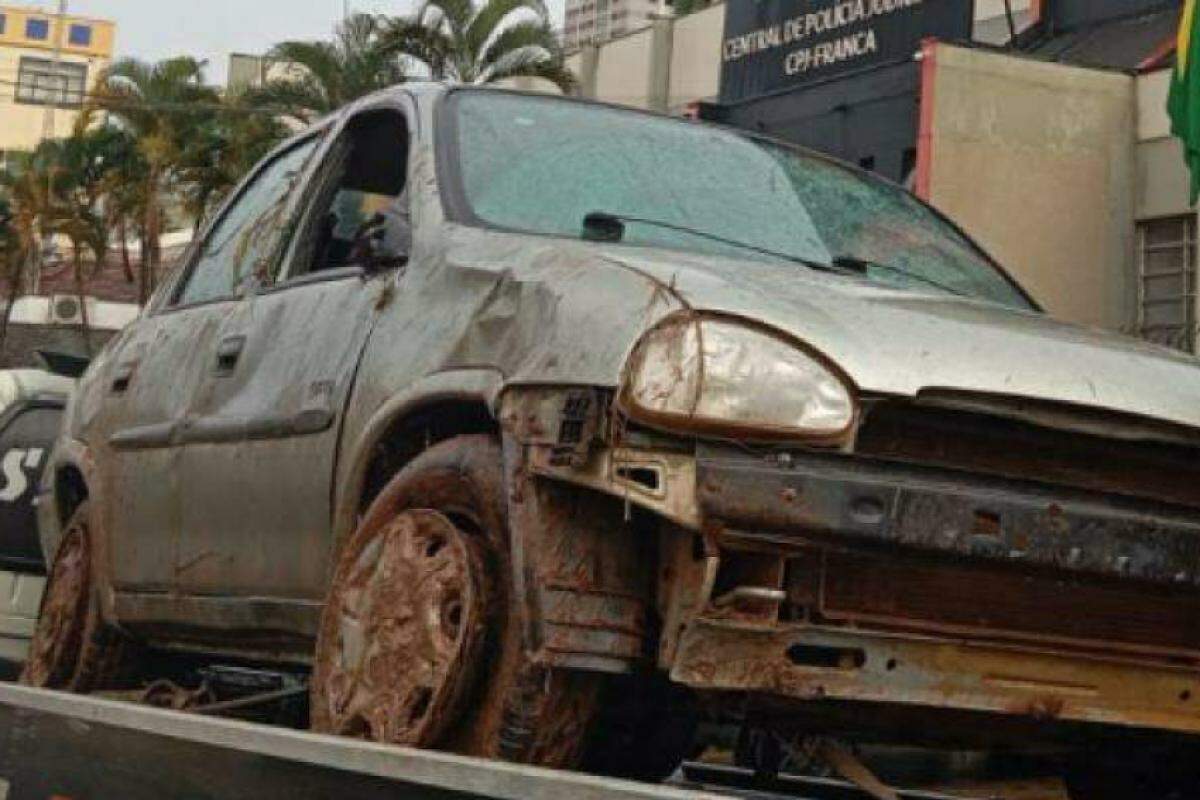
[20,383]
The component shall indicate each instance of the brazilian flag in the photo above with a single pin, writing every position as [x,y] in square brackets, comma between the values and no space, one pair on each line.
[1183,105]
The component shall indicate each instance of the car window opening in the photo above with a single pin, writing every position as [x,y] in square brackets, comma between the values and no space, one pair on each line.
[360,210]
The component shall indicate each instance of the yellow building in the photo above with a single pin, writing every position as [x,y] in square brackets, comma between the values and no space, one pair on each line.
[30,84]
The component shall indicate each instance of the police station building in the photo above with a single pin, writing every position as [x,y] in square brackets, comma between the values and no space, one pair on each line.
[1039,126]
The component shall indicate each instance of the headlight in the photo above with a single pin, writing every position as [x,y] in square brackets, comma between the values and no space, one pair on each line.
[718,375]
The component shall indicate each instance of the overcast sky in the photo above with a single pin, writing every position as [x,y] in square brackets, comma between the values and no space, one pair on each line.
[212,29]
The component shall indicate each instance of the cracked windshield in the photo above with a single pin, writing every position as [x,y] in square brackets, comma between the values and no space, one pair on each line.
[531,165]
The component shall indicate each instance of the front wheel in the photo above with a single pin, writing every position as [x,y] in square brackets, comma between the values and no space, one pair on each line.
[420,640]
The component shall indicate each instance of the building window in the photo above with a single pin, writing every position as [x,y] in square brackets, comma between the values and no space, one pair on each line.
[38,29]
[1167,256]
[3,24]
[80,35]
[40,83]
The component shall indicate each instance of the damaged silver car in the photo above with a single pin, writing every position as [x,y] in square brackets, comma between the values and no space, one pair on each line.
[478,404]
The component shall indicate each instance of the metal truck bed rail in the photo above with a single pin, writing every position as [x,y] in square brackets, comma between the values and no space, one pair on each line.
[67,746]
[62,746]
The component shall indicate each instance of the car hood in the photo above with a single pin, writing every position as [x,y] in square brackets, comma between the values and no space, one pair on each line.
[906,342]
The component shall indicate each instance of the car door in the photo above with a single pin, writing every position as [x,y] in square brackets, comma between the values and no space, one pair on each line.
[27,432]
[259,465]
[157,368]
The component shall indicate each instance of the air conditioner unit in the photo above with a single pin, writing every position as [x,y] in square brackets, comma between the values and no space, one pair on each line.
[65,309]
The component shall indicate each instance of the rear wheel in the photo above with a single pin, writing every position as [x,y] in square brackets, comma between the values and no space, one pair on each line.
[420,641]
[72,647]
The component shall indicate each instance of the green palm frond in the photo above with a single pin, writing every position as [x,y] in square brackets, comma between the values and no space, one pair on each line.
[455,15]
[491,41]
[491,16]
[527,50]
[325,75]
[321,71]
[430,46]
[520,38]
[302,99]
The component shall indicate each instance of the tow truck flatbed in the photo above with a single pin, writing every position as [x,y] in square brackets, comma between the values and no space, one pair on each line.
[58,745]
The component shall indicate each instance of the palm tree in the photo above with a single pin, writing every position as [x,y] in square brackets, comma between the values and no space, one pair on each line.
[221,150]
[17,234]
[55,191]
[322,76]
[160,104]
[73,172]
[123,188]
[497,39]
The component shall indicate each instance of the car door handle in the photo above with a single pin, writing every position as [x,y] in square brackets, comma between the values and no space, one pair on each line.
[122,376]
[229,350]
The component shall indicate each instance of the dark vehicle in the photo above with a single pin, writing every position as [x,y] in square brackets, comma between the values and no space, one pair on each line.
[481,404]
[31,407]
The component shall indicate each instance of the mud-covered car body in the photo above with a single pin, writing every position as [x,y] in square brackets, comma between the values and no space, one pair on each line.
[1003,520]
[31,407]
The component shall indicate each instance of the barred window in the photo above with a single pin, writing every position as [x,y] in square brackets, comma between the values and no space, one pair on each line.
[1167,261]
[39,82]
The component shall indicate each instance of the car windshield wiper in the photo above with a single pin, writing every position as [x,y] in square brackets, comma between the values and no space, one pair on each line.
[603,226]
[863,266]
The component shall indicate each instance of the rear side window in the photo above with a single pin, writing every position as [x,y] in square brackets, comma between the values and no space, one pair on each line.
[246,240]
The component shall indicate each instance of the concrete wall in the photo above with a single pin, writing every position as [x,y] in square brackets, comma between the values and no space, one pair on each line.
[1162,178]
[623,69]
[666,66]
[247,71]
[1036,161]
[695,72]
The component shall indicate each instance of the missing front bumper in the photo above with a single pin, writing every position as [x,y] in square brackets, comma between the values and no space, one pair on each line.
[926,588]
[807,496]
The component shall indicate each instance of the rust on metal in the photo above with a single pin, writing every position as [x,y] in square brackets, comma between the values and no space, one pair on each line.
[410,611]
[950,513]
[807,662]
[62,622]
[907,592]
[579,564]
[587,587]
[163,693]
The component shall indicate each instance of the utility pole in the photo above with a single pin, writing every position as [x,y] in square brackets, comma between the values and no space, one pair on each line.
[60,25]
[58,88]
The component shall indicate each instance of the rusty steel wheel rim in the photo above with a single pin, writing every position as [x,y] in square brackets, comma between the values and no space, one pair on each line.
[54,650]
[408,616]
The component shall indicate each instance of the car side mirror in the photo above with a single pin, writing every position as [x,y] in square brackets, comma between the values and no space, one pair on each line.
[372,250]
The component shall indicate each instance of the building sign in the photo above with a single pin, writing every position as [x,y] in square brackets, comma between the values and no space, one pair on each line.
[776,44]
